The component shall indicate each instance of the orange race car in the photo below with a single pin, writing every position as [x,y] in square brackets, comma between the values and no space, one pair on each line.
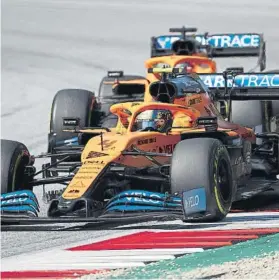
[195,52]
[161,159]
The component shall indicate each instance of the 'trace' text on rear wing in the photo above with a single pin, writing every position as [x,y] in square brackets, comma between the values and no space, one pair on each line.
[221,45]
[247,86]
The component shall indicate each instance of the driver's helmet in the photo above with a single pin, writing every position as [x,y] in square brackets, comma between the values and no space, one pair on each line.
[161,65]
[186,66]
[158,120]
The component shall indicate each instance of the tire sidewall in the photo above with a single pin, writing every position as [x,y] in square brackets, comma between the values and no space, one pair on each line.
[60,109]
[13,166]
[194,165]
[217,205]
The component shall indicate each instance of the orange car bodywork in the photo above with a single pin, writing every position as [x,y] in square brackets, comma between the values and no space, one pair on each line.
[107,148]
[201,63]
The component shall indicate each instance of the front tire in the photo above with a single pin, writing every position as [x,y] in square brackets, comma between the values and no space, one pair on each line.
[14,158]
[204,162]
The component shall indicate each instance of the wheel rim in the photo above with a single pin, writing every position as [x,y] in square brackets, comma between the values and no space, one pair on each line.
[223,180]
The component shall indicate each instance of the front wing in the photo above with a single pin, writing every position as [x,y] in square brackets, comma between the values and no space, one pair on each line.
[131,206]
[22,207]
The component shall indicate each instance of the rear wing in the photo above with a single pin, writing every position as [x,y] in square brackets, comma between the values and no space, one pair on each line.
[131,89]
[217,45]
[120,86]
[126,91]
[246,86]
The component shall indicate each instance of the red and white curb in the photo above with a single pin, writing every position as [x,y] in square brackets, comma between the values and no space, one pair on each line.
[138,248]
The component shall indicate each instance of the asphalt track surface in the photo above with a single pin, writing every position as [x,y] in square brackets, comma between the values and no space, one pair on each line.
[55,44]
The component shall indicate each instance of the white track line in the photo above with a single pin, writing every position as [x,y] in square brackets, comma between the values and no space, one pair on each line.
[137,252]
[77,258]
[109,259]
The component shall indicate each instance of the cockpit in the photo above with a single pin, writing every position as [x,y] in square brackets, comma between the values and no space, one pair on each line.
[153,120]
[162,120]
[186,66]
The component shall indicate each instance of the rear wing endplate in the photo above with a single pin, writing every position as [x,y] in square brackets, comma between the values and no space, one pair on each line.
[246,86]
[217,45]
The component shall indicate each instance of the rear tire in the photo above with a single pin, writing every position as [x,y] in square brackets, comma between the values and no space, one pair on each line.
[247,113]
[201,162]
[71,103]
[261,113]
[273,109]
[14,158]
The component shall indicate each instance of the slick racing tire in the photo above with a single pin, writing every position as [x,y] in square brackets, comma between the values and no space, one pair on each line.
[255,113]
[14,158]
[273,109]
[247,113]
[204,163]
[71,103]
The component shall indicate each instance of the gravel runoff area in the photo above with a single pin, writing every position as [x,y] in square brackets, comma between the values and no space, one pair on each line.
[266,267]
